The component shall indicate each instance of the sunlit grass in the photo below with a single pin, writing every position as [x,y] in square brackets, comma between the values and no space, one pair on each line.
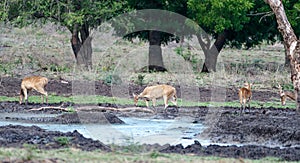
[129,101]
[75,155]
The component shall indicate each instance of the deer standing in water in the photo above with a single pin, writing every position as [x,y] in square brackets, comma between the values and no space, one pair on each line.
[167,92]
[285,94]
[245,95]
[37,83]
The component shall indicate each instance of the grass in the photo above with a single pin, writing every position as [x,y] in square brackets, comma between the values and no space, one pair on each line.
[49,48]
[76,155]
[125,101]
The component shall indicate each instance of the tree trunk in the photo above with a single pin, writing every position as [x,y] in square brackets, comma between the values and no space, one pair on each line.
[287,61]
[82,47]
[292,44]
[211,53]
[155,53]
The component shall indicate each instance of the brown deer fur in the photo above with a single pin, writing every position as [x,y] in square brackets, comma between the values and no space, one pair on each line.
[37,83]
[153,92]
[286,94]
[245,95]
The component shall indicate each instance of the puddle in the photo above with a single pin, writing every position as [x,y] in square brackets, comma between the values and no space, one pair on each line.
[135,130]
[150,131]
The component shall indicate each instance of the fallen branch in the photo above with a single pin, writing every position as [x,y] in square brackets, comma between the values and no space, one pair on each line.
[51,107]
[86,108]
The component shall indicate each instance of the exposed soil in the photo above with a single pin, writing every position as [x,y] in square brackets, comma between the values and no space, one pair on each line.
[10,87]
[17,136]
[268,131]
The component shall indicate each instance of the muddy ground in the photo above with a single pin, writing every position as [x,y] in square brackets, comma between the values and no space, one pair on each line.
[267,131]
[10,87]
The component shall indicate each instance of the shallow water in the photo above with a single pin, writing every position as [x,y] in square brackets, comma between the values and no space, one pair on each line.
[150,131]
[135,130]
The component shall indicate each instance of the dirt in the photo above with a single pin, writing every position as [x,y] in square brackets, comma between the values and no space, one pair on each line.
[264,132]
[10,87]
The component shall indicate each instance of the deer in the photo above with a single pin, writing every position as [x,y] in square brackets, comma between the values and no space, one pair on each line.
[285,94]
[37,83]
[167,92]
[245,95]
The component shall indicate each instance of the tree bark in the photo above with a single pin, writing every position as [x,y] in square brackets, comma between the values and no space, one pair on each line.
[211,53]
[82,47]
[155,62]
[292,44]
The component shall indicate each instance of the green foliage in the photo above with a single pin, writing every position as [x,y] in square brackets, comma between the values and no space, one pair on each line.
[188,56]
[147,21]
[140,79]
[247,22]
[66,13]
[6,68]
[62,140]
[112,79]
[216,16]
[289,86]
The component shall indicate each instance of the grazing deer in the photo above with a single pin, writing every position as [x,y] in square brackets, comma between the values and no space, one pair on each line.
[37,83]
[285,94]
[245,95]
[153,92]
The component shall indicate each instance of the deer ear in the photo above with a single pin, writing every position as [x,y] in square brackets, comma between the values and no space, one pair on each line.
[133,94]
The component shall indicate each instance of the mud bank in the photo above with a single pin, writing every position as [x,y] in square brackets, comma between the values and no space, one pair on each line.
[12,86]
[258,133]
[17,136]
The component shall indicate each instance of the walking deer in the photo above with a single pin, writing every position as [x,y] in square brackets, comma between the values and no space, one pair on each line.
[245,95]
[37,83]
[285,94]
[167,92]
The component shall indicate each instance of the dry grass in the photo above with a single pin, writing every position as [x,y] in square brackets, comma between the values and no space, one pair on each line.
[28,50]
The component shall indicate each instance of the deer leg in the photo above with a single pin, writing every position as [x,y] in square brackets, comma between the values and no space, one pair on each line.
[245,105]
[25,96]
[241,110]
[249,105]
[147,103]
[44,93]
[174,101]
[154,104]
[166,103]
[21,96]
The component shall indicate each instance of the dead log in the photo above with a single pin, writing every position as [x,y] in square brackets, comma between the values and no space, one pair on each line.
[137,109]
[51,107]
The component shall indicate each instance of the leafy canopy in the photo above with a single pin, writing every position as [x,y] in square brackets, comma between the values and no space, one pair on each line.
[65,12]
[215,16]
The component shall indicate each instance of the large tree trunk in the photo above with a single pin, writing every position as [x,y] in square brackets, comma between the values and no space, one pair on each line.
[292,44]
[211,53]
[82,47]
[155,53]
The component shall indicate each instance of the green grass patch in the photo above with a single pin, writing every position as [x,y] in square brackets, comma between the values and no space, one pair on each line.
[76,155]
[126,101]
[62,140]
